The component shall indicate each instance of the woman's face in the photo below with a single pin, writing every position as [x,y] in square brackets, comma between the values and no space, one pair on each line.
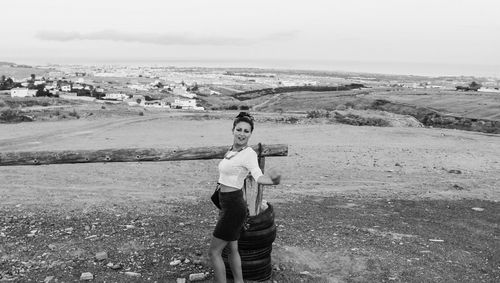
[242,132]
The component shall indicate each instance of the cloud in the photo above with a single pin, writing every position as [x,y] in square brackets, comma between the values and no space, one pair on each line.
[160,39]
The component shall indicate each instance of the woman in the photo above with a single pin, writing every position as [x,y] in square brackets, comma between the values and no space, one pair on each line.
[233,169]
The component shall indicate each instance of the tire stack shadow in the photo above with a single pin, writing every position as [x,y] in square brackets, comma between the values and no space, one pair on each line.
[255,247]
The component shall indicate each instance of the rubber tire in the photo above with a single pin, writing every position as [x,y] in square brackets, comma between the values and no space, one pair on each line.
[250,255]
[262,274]
[252,265]
[261,221]
[254,240]
[255,246]
[259,270]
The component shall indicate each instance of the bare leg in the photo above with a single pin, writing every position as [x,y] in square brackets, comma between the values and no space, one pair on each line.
[215,254]
[235,262]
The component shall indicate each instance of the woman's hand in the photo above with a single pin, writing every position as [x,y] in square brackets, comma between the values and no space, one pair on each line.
[271,177]
[274,175]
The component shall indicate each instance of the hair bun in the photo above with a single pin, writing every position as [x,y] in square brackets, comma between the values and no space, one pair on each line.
[244,114]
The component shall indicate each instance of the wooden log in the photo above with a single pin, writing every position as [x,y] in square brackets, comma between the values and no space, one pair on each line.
[126,155]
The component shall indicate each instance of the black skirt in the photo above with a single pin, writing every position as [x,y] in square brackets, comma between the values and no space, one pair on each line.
[232,216]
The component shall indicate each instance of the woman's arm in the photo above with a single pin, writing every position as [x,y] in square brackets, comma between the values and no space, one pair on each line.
[271,177]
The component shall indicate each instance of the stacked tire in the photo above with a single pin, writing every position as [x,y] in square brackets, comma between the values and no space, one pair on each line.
[255,247]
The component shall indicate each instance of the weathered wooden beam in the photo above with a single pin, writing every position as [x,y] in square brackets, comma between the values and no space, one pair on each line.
[127,155]
[260,188]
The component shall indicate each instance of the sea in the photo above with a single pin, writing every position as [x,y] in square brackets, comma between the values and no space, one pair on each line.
[430,69]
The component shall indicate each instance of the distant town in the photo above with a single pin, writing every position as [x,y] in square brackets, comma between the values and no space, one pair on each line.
[182,88]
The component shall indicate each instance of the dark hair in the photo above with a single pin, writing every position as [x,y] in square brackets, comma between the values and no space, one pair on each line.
[244,117]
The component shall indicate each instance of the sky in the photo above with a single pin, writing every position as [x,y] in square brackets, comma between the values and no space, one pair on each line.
[393,36]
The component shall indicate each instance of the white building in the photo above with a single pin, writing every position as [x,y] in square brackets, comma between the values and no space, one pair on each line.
[138,87]
[22,92]
[489,89]
[115,96]
[155,103]
[66,88]
[77,86]
[186,104]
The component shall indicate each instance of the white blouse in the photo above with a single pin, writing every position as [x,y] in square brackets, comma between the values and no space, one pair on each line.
[234,168]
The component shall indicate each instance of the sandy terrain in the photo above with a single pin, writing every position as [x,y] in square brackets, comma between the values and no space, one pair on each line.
[325,161]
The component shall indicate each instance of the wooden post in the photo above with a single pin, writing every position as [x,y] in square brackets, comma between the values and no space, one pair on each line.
[250,194]
[260,188]
[253,196]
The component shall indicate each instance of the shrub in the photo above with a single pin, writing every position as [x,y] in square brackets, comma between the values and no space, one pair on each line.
[291,120]
[12,116]
[9,115]
[350,105]
[318,114]
[288,120]
[74,114]
[357,120]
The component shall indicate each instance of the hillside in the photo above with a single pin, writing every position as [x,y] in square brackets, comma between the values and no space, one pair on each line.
[448,109]
[20,71]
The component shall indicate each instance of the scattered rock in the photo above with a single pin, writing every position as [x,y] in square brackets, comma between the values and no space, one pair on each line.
[175,262]
[181,280]
[305,273]
[197,276]
[133,274]
[52,247]
[48,279]
[87,276]
[101,256]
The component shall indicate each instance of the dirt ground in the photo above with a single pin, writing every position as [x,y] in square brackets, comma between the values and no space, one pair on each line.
[356,204]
